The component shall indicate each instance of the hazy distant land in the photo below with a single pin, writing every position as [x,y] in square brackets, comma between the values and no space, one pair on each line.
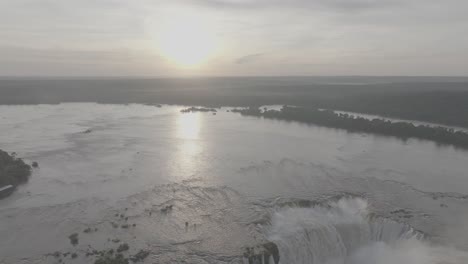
[442,100]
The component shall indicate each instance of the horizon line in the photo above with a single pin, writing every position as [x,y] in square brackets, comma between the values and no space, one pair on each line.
[74,77]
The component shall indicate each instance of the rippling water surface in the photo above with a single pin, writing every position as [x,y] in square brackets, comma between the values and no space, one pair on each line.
[321,195]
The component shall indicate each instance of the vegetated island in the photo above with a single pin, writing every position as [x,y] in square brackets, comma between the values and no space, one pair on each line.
[13,172]
[197,109]
[328,118]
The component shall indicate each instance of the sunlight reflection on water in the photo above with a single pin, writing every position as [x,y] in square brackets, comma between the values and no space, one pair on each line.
[186,158]
[188,125]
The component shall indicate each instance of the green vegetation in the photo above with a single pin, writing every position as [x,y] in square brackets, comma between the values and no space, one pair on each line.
[196,109]
[13,171]
[402,130]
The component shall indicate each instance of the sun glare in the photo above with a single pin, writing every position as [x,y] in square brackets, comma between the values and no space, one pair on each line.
[186,40]
[188,125]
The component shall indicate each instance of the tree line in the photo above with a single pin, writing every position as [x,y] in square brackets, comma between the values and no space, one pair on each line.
[328,118]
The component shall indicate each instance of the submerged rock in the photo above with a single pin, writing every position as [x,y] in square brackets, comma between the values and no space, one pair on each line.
[166,209]
[123,247]
[140,256]
[73,239]
[111,259]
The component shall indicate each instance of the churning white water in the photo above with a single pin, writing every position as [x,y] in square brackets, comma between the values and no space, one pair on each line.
[343,232]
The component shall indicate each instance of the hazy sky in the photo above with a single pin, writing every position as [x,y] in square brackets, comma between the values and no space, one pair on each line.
[233,37]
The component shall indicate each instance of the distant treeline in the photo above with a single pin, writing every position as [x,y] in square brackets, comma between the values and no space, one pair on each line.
[436,100]
[402,130]
[438,106]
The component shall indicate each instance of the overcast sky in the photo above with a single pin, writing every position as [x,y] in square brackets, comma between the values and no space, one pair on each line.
[252,37]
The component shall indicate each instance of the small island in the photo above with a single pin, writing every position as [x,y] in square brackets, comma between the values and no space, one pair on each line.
[13,172]
[197,109]
[328,118]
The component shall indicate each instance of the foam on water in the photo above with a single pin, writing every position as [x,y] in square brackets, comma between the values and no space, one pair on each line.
[343,232]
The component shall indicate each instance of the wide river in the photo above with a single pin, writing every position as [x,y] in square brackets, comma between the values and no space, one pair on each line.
[322,195]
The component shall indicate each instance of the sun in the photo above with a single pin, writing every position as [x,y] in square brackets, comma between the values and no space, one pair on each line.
[187,40]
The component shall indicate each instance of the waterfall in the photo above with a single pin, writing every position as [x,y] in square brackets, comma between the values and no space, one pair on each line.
[342,232]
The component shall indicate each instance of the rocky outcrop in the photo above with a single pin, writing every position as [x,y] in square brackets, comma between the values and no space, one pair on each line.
[261,254]
[13,172]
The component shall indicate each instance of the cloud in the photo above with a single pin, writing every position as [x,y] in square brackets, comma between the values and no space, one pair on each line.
[16,60]
[372,35]
[249,58]
[341,5]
